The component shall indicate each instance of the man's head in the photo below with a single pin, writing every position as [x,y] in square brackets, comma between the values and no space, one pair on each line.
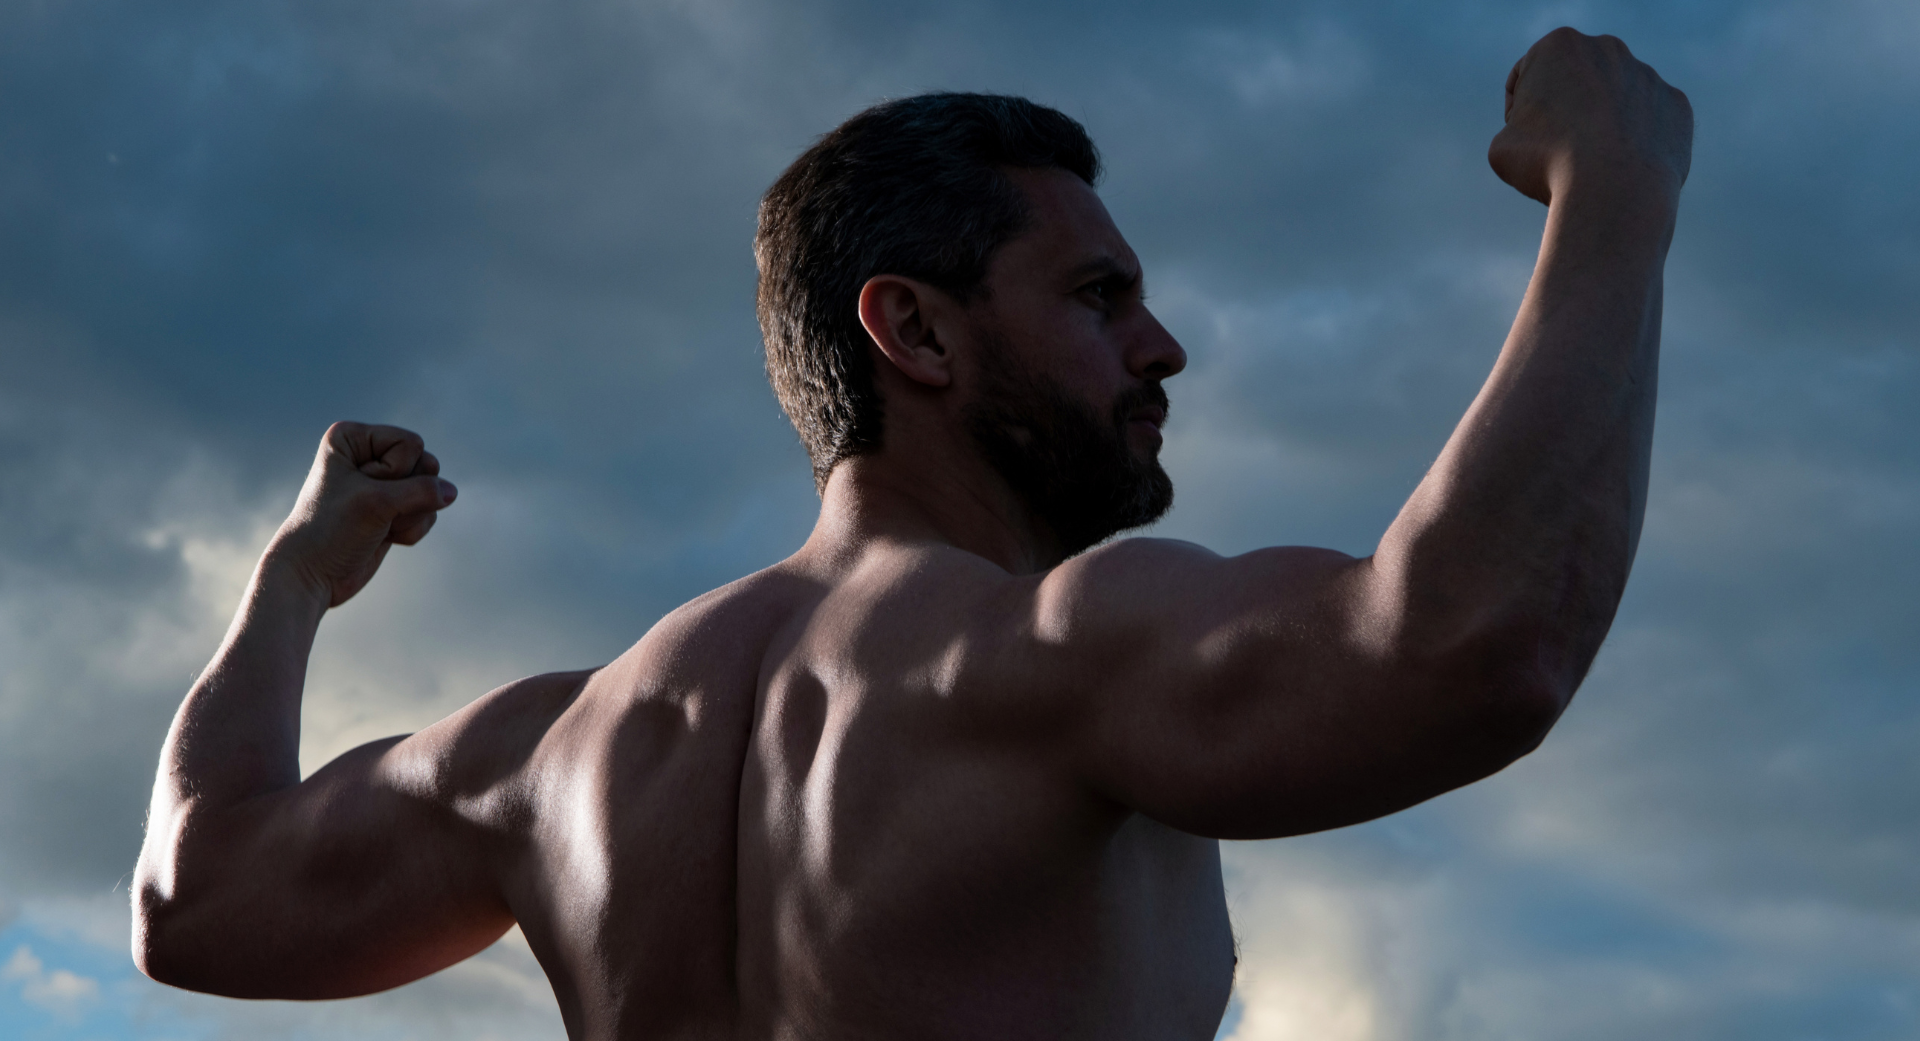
[986,203]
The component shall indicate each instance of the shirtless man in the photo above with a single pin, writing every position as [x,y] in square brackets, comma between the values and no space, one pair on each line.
[941,774]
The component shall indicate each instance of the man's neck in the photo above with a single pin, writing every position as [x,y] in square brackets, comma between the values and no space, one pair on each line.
[955,500]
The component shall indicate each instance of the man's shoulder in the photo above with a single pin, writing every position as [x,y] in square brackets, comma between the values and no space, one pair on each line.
[730,630]
[1129,558]
[696,664]
[718,627]
[931,595]
[476,761]
[509,723]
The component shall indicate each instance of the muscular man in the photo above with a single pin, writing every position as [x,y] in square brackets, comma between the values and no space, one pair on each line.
[947,772]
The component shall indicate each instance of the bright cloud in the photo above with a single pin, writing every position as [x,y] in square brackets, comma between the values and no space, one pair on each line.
[61,992]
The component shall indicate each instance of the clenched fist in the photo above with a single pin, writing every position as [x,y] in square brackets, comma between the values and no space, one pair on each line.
[370,487]
[1582,109]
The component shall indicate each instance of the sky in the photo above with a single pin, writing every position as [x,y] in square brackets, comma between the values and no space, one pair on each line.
[524,231]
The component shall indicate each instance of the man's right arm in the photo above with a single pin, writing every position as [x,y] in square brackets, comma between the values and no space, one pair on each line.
[382,866]
[1292,690]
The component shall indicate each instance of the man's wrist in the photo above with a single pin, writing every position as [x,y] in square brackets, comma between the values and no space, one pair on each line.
[281,578]
[1622,185]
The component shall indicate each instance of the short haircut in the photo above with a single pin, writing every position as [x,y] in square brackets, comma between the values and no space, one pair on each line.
[915,187]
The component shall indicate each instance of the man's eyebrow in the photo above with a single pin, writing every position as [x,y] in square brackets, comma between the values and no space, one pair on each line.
[1107,266]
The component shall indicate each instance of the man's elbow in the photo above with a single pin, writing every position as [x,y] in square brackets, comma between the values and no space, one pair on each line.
[1520,697]
[1523,717]
[152,954]
[168,936]
[156,936]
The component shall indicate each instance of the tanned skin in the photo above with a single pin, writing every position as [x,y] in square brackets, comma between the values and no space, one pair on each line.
[925,778]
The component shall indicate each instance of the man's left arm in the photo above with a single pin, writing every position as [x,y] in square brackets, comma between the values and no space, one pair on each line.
[1293,690]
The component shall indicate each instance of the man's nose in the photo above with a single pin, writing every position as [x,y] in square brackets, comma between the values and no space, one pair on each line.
[1154,354]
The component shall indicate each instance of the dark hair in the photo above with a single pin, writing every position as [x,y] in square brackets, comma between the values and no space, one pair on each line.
[915,187]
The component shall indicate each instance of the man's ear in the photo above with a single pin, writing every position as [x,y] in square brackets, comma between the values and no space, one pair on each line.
[899,313]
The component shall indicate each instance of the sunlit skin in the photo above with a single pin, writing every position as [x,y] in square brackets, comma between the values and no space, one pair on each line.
[924,778]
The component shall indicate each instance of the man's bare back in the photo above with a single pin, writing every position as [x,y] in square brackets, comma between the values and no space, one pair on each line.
[939,774]
[915,811]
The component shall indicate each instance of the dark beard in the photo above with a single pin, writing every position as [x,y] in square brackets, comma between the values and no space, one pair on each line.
[1071,465]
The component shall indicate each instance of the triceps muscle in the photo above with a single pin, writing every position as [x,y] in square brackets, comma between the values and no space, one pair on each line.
[1269,695]
[350,882]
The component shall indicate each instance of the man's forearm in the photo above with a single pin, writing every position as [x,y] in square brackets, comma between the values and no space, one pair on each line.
[1526,526]
[237,735]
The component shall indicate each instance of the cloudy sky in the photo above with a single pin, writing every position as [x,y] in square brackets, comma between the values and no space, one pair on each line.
[523,230]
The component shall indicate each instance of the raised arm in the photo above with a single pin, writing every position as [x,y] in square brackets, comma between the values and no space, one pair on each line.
[1529,520]
[253,883]
[1293,690]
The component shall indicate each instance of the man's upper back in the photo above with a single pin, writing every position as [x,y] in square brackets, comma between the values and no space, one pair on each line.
[837,807]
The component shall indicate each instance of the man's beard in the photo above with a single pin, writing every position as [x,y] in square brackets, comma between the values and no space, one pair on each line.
[1072,466]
